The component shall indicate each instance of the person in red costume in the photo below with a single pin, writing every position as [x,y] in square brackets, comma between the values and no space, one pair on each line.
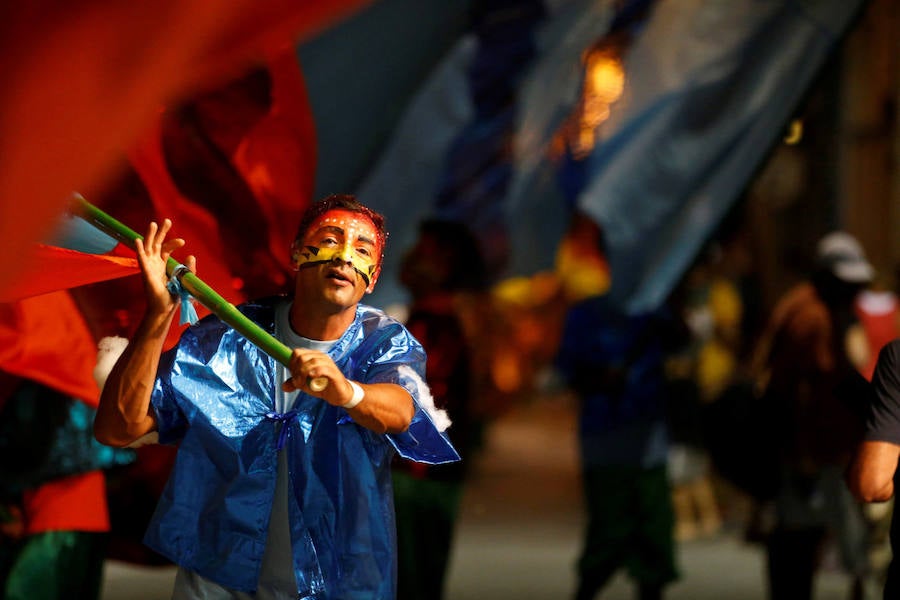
[442,263]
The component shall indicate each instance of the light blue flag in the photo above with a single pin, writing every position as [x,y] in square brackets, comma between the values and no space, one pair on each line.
[403,183]
[710,86]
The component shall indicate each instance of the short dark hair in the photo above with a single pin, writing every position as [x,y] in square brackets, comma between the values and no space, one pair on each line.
[340,202]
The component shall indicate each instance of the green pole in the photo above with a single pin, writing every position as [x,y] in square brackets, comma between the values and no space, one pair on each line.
[193,284]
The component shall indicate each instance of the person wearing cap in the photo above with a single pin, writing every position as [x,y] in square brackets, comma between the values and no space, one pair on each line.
[281,487]
[807,359]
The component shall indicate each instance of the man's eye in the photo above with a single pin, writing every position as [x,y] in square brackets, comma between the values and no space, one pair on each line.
[363,251]
[328,242]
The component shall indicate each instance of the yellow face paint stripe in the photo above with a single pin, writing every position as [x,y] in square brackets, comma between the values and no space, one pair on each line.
[312,256]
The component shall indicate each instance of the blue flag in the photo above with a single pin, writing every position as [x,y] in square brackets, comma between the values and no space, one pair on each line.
[708,89]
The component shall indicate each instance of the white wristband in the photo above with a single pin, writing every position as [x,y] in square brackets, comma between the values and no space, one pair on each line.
[357,395]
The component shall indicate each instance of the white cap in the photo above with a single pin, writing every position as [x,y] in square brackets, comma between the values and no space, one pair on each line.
[843,255]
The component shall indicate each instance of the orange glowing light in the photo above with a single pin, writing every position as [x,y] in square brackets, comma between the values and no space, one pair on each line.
[606,77]
[604,85]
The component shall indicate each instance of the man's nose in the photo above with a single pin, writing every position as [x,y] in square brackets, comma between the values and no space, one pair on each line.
[344,255]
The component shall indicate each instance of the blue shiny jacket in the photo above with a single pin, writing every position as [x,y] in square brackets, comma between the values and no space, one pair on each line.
[212,394]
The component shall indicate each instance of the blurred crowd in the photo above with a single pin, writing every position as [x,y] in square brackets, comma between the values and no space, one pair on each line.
[711,413]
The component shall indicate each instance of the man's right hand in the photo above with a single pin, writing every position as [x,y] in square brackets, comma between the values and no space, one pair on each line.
[152,253]
[124,415]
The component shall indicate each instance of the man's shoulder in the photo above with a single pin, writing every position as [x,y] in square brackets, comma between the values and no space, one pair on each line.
[376,317]
[379,327]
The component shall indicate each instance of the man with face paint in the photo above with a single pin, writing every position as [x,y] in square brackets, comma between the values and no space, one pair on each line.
[281,489]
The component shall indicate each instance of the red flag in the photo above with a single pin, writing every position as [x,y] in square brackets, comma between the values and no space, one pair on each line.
[46,339]
[84,79]
[233,169]
[61,269]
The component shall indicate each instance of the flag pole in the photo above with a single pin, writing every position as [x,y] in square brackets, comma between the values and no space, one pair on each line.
[204,294]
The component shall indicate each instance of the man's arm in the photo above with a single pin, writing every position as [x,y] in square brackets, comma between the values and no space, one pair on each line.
[124,415]
[383,407]
[870,476]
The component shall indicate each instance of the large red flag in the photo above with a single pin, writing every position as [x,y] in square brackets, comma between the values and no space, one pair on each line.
[234,170]
[83,79]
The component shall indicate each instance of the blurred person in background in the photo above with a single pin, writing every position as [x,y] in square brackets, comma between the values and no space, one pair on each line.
[807,359]
[55,523]
[698,372]
[444,262]
[614,363]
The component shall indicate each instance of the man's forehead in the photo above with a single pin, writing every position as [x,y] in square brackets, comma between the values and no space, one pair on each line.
[348,221]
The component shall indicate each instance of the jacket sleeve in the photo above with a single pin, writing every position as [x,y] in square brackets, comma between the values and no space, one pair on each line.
[400,359]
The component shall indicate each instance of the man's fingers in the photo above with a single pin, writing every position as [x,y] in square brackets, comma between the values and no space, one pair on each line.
[150,237]
[315,384]
[156,236]
[171,245]
[307,368]
[155,242]
[160,240]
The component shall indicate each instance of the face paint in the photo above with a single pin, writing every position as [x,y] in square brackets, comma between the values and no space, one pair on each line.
[345,236]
